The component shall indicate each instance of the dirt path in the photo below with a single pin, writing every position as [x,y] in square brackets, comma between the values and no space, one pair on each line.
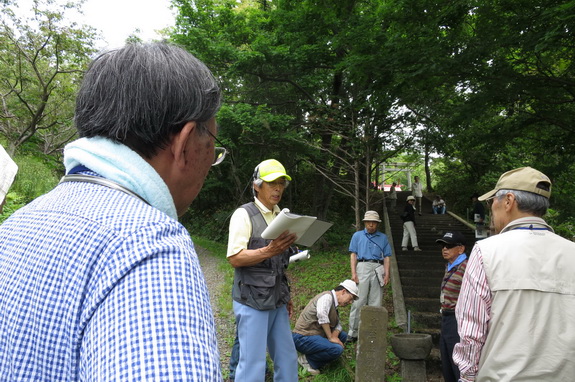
[224,321]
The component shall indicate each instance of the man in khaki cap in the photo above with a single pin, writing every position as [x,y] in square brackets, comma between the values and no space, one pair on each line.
[516,309]
[370,251]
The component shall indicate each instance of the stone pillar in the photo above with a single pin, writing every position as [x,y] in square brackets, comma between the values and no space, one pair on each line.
[371,344]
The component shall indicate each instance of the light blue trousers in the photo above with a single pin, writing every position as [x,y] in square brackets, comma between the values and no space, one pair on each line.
[258,329]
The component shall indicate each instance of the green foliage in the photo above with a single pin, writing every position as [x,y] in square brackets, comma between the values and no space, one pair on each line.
[42,59]
[34,178]
[13,203]
[565,228]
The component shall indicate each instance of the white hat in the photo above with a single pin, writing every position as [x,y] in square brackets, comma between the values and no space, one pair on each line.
[351,287]
[371,216]
[410,197]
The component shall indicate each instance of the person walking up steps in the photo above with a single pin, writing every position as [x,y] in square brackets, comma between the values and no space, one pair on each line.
[408,217]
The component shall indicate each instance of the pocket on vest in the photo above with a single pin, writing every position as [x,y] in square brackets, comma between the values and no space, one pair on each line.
[258,289]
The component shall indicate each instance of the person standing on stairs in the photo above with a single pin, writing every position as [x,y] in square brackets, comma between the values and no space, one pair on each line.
[453,250]
[418,192]
[392,197]
[370,250]
[408,217]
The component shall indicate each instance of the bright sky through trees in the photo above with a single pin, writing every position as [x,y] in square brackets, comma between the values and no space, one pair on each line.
[118,19]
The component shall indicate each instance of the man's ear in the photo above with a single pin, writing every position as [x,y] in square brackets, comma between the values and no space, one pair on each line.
[509,199]
[179,143]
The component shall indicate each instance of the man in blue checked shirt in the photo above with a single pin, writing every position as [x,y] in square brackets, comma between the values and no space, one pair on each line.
[98,280]
[370,251]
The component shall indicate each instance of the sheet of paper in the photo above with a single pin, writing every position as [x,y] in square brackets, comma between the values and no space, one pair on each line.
[307,228]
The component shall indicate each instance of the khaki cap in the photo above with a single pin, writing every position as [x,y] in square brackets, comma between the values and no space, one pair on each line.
[522,179]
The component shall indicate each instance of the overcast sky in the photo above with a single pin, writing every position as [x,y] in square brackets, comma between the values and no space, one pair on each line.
[117,19]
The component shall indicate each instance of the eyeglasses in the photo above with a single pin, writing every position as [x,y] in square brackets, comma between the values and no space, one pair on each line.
[220,152]
[489,201]
[280,182]
[449,246]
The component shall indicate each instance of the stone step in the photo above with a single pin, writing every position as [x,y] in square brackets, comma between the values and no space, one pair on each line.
[426,320]
[421,291]
[423,280]
[423,304]
[422,272]
[422,265]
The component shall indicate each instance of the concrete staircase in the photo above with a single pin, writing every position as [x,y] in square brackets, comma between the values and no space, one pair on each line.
[421,273]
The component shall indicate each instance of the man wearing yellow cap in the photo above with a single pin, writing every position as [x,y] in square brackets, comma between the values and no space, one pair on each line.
[516,308]
[262,304]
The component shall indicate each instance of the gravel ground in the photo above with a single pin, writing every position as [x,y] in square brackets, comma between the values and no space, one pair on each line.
[224,321]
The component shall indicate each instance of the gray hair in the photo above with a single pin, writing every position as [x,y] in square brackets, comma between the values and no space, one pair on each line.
[143,94]
[527,201]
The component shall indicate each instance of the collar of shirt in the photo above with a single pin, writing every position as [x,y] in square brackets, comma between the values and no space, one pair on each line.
[527,222]
[119,163]
[334,297]
[457,261]
[376,233]
[268,214]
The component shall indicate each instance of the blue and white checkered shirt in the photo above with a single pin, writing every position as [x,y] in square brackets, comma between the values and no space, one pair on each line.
[96,285]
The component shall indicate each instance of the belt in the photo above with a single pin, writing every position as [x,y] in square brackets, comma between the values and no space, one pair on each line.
[448,312]
[370,261]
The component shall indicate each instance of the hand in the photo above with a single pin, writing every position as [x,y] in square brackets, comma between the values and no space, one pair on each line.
[355,278]
[385,279]
[281,243]
[335,340]
[290,308]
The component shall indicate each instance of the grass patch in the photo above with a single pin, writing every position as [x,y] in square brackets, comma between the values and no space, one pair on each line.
[323,271]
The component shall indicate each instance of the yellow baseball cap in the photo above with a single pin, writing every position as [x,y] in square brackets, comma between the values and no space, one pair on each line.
[272,169]
[522,179]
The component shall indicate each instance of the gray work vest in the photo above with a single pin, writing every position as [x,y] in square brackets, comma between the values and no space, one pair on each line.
[263,286]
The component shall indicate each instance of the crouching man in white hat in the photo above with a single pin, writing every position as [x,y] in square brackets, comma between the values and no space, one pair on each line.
[318,333]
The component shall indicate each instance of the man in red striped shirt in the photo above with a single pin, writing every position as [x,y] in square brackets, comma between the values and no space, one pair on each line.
[452,250]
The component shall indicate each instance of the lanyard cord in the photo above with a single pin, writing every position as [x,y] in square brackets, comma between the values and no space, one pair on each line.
[101,181]
[377,245]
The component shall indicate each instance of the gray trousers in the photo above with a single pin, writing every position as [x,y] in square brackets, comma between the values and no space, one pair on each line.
[370,293]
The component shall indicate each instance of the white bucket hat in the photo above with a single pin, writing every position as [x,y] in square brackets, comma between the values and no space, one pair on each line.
[371,216]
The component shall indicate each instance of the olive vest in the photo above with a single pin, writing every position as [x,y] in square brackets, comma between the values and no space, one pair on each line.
[263,286]
[307,323]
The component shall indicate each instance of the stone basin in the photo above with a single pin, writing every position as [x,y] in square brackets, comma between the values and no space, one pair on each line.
[412,346]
